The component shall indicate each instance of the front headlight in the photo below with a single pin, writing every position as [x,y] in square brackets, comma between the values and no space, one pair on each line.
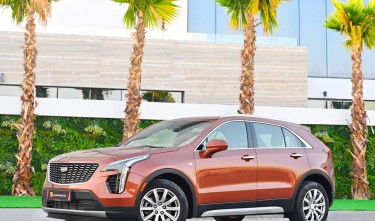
[123,168]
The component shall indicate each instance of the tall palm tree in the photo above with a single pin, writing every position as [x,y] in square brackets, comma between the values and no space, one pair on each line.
[141,14]
[244,14]
[356,22]
[21,10]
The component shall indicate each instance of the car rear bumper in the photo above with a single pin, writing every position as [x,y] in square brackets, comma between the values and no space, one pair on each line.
[85,206]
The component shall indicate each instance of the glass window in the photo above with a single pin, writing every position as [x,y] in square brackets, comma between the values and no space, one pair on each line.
[201,17]
[313,35]
[10,90]
[268,136]
[168,134]
[291,140]
[234,133]
[47,92]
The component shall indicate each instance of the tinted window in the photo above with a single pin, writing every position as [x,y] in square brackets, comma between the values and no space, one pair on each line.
[268,136]
[234,133]
[291,140]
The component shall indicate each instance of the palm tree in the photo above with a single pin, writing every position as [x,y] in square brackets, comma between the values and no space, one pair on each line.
[356,22]
[21,10]
[244,14]
[141,14]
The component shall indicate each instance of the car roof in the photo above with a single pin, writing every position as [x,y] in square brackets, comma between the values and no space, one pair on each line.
[245,117]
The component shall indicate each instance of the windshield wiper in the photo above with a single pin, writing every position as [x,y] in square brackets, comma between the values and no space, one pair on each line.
[150,146]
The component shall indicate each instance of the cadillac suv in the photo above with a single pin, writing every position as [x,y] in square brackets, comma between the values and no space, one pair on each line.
[221,167]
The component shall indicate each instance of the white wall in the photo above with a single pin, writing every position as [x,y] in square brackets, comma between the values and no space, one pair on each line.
[93,17]
[164,111]
[338,88]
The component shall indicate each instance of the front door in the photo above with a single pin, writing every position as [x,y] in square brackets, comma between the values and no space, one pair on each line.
[230,175]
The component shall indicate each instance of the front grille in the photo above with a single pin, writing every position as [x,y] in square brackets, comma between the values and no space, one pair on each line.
[75,172]
[112,183]
[90,205]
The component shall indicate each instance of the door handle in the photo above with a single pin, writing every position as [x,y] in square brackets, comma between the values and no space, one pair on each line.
[247,157]
[296,155]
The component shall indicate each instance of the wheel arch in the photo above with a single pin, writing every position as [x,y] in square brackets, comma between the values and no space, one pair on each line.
[319,177]
[181,180]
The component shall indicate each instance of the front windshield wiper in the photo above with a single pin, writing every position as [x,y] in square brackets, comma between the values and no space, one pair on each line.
[150,146]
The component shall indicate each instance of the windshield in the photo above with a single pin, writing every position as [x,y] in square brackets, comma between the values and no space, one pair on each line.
[168,134]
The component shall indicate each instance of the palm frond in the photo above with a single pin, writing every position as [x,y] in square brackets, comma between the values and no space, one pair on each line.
[19,9]
[42,8]
[155,12]
[268,14]
[355,21]
[237,10]
[266,9]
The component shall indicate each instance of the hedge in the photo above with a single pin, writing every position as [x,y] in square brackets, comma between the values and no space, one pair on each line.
[57,135]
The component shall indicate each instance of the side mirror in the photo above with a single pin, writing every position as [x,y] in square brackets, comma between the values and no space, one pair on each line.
[214,146]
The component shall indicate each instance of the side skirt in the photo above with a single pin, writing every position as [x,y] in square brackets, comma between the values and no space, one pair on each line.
[246,208]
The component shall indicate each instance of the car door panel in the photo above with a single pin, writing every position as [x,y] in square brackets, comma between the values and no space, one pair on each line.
[278,172]
[230,175]
[226,177]
[279,166]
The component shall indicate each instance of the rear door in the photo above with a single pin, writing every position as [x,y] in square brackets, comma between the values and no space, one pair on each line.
[282,160]
[230,175]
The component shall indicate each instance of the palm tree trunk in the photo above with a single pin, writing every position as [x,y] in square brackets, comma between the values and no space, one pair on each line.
[22,177]
[247,62]
[134,82]
[360,188]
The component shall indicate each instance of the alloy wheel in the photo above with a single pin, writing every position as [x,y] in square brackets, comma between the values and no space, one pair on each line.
[160,204]
[314,205]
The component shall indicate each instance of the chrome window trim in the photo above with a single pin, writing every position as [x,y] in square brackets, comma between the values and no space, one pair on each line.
[307,145]
[200,143]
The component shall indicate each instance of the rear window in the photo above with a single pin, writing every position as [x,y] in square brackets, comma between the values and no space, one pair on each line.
[272,136]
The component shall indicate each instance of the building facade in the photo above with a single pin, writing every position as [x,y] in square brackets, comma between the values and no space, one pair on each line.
[302,65]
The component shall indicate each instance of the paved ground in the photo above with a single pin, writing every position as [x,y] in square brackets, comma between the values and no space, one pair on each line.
[39,215]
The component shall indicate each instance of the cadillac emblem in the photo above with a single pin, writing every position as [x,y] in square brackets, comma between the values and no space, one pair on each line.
[63,169]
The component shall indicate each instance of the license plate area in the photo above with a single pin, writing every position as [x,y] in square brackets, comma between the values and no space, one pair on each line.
[59,195]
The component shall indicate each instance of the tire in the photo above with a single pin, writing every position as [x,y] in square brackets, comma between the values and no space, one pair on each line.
[311,203]
[162,198]
[229,218]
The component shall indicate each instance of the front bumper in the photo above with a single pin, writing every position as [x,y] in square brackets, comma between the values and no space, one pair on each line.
[85,206]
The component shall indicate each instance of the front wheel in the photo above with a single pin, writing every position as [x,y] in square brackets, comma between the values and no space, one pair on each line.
[311,203]
[229,218]
[163,200]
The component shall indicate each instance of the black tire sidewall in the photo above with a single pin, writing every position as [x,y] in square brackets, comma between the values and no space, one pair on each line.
[229,218]
[297,214]
[161,183]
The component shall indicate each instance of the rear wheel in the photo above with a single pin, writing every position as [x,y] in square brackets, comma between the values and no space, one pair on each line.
[311,203]
[229,218]
[163,200]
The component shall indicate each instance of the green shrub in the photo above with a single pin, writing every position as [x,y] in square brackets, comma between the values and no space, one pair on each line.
[337,138]
[54,136]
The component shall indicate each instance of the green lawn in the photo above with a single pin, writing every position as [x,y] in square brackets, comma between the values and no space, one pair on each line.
[20,202]
[353,205]
[36,202]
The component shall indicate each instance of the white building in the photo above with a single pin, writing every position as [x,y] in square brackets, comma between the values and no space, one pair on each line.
[85,45]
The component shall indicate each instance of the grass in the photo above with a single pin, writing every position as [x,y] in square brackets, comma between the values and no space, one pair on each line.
[36,202]
[20,202]
[353,205]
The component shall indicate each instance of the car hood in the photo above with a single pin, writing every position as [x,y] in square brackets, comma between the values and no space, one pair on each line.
[109,154]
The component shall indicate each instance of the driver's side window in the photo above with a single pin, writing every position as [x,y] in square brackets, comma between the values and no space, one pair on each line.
[234,133]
